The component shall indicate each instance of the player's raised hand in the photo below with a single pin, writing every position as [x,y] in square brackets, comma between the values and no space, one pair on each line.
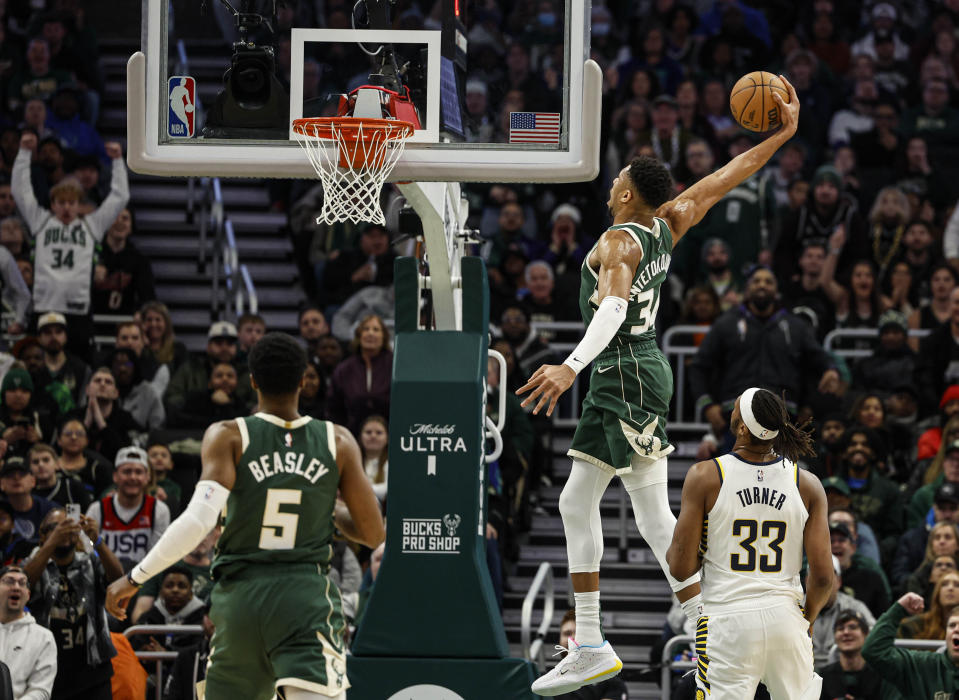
[913,603]
[788,111]
[114,150]
[28,141]
[547,383]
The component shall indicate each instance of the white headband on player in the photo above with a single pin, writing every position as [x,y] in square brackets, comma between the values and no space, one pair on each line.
[746,411]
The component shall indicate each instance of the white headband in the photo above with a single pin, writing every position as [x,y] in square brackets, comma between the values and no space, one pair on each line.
[746,411]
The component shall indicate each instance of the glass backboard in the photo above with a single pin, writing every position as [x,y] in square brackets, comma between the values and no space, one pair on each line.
[492,105]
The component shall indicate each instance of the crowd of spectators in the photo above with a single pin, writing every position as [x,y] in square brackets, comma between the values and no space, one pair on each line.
[852,226]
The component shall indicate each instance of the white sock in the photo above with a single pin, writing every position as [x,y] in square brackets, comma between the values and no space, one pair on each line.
[587,619]
[693,608]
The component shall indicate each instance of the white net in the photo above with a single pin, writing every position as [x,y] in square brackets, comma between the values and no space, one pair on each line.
[353,158]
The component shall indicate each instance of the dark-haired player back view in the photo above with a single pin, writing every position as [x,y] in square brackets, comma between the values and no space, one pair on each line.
[274,478]
[622,428]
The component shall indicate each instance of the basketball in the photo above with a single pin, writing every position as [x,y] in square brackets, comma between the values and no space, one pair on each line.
[751,100]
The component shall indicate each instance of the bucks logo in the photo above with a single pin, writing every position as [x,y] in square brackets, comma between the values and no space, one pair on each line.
[451,522]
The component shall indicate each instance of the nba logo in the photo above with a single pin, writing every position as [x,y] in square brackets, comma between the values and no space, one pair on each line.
[182,118]
[759,475]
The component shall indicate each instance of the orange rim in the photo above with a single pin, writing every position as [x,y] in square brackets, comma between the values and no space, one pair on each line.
[349,128]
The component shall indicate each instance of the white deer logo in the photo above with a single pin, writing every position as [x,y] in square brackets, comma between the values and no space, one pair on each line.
[452,522]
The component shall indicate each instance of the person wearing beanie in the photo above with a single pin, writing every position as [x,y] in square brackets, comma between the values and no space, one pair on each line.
[22,422]
[826,209]
[892,360]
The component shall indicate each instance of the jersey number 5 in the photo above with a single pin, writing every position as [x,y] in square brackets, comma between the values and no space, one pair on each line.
[773,530]
[279,528]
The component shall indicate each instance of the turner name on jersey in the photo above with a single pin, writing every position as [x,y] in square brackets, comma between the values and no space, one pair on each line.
[761,496]
[271,464]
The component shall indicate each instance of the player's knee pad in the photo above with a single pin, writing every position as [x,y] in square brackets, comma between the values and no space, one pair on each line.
[579,507]
[647,489]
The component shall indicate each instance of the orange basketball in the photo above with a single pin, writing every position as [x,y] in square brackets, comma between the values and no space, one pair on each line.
[751,100]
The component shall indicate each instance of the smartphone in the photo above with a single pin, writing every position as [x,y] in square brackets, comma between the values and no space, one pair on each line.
[73,512]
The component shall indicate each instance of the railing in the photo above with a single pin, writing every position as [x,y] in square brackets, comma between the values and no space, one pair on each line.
[160,656]
[533,651]
[240,292]
[678,347]
[839,334]
[668,665]
[568,411]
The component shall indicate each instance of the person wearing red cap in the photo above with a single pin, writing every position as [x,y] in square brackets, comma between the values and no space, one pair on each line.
[930,440]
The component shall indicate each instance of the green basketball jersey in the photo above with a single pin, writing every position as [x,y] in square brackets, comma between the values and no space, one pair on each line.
[281,507]
[643,302]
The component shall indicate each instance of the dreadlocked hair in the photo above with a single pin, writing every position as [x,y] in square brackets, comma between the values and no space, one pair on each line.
[793,441]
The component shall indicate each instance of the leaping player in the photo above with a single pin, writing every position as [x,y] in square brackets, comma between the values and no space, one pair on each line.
[746,517]
[278,616]
[622,428]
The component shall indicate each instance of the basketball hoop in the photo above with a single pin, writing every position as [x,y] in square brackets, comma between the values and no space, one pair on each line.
[352,156]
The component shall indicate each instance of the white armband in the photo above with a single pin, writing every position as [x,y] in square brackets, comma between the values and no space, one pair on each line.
[186,532]
[606,321]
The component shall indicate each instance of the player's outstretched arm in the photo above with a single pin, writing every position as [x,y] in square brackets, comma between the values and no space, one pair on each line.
[821,578]
[688,209]
[683,555]
[619,256]
[361,520]
[220,449]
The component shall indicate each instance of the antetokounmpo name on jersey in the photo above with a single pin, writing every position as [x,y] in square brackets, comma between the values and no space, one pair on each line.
[286,463]
[655,267]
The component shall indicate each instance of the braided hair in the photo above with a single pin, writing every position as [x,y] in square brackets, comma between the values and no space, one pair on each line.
[793,441]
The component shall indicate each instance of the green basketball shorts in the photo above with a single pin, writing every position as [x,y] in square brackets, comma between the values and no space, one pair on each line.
[276,625]
[624,412]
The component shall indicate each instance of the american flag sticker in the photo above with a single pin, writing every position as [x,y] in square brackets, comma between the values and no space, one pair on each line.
[534,127]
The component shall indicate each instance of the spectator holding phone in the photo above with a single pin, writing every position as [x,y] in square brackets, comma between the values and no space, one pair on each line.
[68,595]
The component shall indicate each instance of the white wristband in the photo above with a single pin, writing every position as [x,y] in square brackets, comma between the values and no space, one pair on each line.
[606,321]
[186,532]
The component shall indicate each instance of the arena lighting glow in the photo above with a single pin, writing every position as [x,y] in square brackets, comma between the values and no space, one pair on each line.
[456,7]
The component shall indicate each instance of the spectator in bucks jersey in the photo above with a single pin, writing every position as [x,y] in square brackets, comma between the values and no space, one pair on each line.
[64,243]
[130,521]
[68,591]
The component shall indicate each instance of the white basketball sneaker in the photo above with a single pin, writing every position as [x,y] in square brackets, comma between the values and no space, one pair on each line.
[583,665]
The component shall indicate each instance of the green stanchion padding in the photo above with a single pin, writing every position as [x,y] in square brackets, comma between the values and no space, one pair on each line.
[406,285]
[439,679]
[475,296]
[433,596]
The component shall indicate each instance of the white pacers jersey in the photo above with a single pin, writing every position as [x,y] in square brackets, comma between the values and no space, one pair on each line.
[752,542]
